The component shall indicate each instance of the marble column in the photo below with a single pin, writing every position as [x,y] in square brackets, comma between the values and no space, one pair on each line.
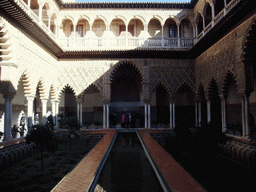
[149,119]
[196,114]
[223,113]
[53,111]
[40,12]
[107,116]
[146,114]
[171,116]
[199,114]
[57,113]
[243,117]
[44,110]
[8,117]
[246,115]
[104,116]
[30,100]
[208,111]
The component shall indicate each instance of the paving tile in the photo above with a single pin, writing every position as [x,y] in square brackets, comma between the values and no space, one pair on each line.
[85,170]
[176,177]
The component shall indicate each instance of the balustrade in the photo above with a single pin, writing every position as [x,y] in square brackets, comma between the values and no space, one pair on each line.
[122,42]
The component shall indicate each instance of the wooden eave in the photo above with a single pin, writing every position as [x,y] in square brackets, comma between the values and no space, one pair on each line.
[17,17]
[124,5]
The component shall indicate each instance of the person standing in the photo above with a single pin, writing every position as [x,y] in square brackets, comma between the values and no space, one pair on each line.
[123,120]
[22,122]
[129,120]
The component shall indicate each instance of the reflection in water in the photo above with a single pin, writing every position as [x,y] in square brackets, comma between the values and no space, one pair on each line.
[127,167]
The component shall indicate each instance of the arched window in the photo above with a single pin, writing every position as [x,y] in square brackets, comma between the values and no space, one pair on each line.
[173,31]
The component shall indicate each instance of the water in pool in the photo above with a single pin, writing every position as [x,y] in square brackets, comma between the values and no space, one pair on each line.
[127,167]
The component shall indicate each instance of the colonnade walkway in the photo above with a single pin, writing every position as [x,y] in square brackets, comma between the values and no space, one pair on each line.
[81,177]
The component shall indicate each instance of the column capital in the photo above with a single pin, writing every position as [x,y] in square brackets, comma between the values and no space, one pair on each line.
[8,95]
[30,97]
[43,100]
[106,101]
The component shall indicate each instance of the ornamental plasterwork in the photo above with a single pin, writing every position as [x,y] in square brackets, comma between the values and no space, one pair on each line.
[172,78]
[80,75]
[31,60]
[217,61]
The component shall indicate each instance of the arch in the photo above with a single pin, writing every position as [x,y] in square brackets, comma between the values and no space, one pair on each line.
[228,80]
[199,23]
[249,43]
[99,26]
[164,86]
[117,26]
[186,28]
[68,103]
[125,63]
[155,28]
[137,26]
[89,90]
[233,100]
[214,98]
[126,76]
[157,17]
[185,105]
[26,83]
[218,6]
[170,28]
[139,17]
[207,13]
[161,112]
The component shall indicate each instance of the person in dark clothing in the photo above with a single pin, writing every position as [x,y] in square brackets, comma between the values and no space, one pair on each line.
[22,121]
[50,121]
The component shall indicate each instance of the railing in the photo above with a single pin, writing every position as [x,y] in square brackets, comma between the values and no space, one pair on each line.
[132,42]
[121,42]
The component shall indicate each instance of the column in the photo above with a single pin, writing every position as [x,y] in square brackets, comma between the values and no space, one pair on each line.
[126,37]
[44,110]
[104,116]
[208,111]
[78,111]
[178,28]
[223,113]
[162,36]
[8,117]
[81,114]
[49,22]
[196,114]
[29,2]
[40,12]
[30,100]
[243,117]
[171,115]
[213,12]
[149,120]
[200,113]
[54,111]
[57,113]
[146,114]
[107,117]
[246,115]
[74,40]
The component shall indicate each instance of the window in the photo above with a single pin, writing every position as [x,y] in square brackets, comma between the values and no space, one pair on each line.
[173,30]
[79,30]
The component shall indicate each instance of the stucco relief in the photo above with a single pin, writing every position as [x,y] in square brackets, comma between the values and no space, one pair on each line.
[216,62]
[79,78]
[172,78]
